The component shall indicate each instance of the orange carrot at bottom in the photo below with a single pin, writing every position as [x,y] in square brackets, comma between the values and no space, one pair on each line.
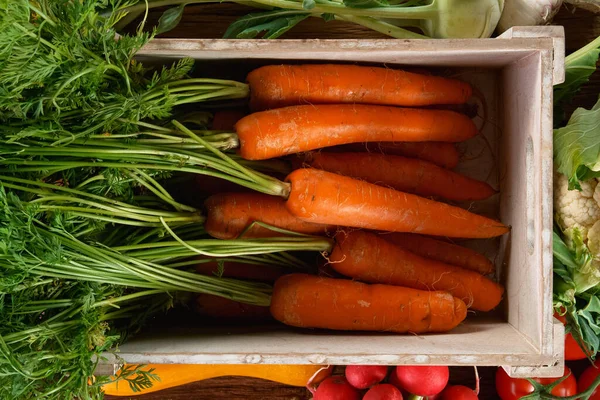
[370,258]
[440,153]
[439,250]
[229,214]
[309,301]
[219,307]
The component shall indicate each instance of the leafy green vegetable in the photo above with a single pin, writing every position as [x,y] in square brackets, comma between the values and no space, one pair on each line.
[578,68]
[271,24]
[435,18]
[575,274]
[577,146]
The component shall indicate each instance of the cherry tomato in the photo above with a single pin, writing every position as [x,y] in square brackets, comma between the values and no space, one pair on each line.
[572,349]
[458,393]
[587,377]
[513,388]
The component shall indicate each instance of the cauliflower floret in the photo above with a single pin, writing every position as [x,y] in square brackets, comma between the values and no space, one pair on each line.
[593,238]
[575,208]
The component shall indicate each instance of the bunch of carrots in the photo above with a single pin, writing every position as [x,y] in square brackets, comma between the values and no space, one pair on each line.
[372,169]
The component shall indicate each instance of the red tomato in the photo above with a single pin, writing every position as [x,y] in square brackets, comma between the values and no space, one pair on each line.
[587,377]
[458,393]
[572,349]
[513,388]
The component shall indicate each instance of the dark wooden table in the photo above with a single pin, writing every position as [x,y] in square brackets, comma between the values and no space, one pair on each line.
[211,22]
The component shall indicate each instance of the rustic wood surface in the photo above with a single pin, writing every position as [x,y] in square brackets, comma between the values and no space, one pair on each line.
[211,22]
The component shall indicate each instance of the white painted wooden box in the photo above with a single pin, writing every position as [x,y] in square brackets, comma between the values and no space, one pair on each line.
[515,73]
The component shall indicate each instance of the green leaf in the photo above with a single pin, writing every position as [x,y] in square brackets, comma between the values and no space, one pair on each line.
[578,68]
[562,252]
[272,23]
[366,3]
[308,4]
[170,19]
[577,146]
[588,326]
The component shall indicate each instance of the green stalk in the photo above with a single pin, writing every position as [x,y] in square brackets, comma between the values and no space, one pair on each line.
[276,188]
[382,27]
[321,7]
[585,395]
[112,212]
[115,267]
[232,247]
[268,184]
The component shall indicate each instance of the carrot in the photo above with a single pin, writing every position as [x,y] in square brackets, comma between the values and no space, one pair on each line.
[442,251]
[218,307]
[274,86]
[224,120]
[240,270]
[309,301]
[402,173]
[370,258]
[440,153]
[296,129]
[326,198]
[229,214]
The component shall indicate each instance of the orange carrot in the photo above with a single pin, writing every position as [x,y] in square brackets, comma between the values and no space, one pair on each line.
[442,251]
[440,153]
[225,120]
[274,86]
[296,129]
[240,270]
[370,258]
[326,198]
[309,301]
[402,173]
[218,307]
[229,214]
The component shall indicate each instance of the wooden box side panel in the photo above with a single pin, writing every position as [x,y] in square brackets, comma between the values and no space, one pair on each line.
[526,204]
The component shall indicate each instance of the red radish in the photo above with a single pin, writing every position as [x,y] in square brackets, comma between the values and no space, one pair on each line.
[365,376]
[336,388]
[383,391]
[422,380]
[458,393]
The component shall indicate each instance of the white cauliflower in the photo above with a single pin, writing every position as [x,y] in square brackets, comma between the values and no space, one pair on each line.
[577,209]
[578,215]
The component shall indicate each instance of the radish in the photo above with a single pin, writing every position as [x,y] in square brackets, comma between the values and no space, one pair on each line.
[458,393]
[383,391]
[336,388]
[365,376]
[422,380]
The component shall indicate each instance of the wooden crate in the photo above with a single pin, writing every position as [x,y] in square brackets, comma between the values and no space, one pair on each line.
[515,74]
